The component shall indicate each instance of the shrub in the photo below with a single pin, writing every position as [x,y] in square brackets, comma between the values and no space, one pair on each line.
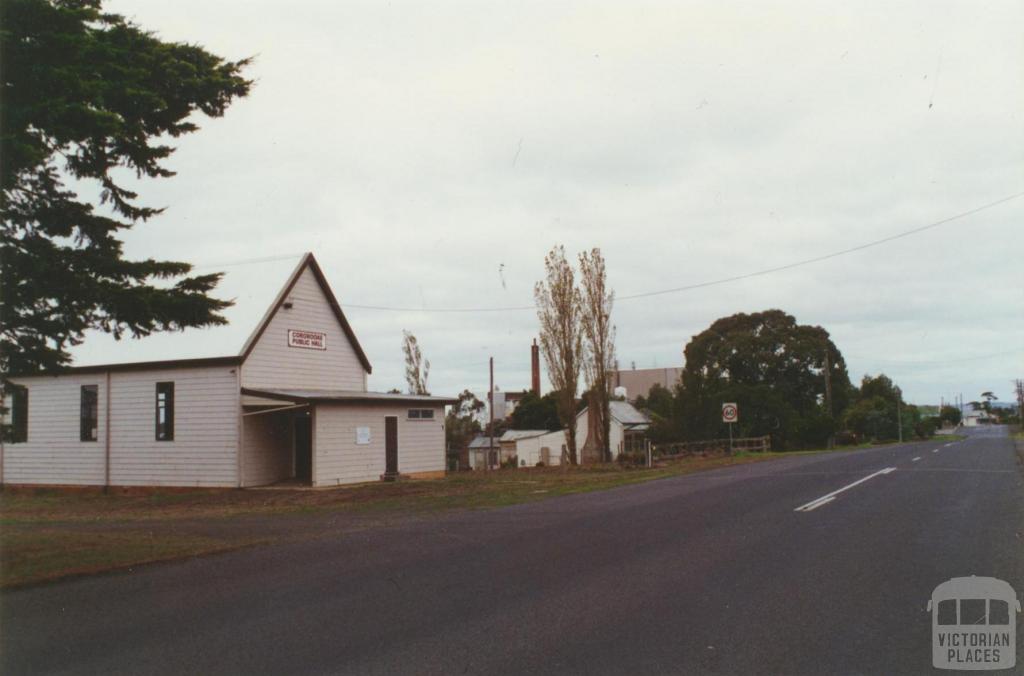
[847,438]
[633,459]
[925,429]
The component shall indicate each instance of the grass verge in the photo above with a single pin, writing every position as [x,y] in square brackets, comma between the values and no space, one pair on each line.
[48,534]
[33,555]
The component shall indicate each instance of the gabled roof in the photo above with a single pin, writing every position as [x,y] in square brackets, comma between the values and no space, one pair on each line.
[623,413]
[246,285]
[627,414]
[308,261]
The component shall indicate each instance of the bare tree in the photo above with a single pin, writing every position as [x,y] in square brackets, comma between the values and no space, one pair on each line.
[561,340]
[599,340]
[417,369]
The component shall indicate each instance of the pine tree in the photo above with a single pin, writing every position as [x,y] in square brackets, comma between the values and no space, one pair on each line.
[84,93]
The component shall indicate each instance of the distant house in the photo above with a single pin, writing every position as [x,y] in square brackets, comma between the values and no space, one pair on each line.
[976,418]
[290,402]
[638,382]
[628,433]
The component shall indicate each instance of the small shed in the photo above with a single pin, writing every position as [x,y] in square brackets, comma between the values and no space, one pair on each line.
[546,448]
[513,440]
[481,451]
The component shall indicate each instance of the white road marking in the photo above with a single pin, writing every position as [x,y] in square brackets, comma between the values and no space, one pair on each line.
[811,506]
[916,459]
[948,445]
[814,504]
[935,450]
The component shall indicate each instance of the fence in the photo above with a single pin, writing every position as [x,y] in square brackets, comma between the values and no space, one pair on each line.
[684,449]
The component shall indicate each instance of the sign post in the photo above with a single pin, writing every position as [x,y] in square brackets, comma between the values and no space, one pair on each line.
[730,415]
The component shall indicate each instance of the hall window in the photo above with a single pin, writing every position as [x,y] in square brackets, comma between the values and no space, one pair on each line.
[89,413]
[165,411]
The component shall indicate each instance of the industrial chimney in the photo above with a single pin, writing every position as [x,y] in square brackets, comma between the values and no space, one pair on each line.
[535,368]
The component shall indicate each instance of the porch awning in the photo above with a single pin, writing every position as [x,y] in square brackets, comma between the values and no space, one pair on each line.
[346,397]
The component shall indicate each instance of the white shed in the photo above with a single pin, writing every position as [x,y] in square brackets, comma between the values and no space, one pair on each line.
[290,403]
[546,447]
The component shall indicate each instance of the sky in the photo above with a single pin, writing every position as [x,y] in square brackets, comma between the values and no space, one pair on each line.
[430,154]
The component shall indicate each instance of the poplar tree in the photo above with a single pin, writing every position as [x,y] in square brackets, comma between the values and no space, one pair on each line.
[86,95]
[561,338]
[599,339]
[417,369]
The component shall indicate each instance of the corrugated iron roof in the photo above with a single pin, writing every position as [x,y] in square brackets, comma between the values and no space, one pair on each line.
[515,435]
[627,414]
[351,396]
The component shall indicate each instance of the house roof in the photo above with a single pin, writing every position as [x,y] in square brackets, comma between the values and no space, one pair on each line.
[515,435]
[484,442]
[231,342]
[627,414]
[346,396]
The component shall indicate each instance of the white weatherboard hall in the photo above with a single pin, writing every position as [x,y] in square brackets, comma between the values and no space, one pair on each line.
[288,403]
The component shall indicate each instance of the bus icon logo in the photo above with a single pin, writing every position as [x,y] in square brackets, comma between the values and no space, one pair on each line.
[974,624]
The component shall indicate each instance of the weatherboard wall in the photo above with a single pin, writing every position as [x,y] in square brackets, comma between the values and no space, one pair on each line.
[204,449]
[202,453]
[616,434]
[528,451]
[53,453]
[338,459]
[273,363]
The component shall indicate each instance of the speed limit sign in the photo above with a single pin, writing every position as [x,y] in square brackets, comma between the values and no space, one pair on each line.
[730,413]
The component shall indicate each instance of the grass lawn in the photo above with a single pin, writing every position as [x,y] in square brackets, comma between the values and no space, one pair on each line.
[47,534]
[948,437]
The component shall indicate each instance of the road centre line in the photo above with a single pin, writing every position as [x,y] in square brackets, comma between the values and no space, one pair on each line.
[817,503]
[935,450]
[916,459]
[814,504]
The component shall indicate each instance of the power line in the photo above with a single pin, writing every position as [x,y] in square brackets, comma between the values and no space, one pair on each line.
[724,280]
[247,261]
[932,362]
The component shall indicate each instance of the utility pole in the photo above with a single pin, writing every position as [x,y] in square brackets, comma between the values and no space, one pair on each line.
[828,394]
[899,414]
[490,448]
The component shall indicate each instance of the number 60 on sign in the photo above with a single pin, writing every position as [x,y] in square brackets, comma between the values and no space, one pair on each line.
[730,413]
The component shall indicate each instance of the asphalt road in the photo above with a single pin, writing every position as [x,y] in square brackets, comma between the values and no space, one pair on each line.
[707,573]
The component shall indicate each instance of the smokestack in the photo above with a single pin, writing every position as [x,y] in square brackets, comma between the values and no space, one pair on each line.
[535,368]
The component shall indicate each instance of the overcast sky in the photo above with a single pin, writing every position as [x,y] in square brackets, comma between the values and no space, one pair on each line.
[430,154]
